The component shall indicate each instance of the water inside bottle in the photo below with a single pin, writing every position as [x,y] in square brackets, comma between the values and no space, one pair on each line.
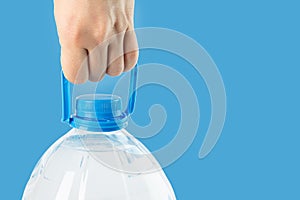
[87,165]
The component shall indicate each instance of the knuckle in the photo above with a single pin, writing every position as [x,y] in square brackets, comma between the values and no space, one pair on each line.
[121,24]
[99,35]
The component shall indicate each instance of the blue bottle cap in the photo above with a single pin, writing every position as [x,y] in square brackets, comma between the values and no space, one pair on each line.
[99,112]
[97,106]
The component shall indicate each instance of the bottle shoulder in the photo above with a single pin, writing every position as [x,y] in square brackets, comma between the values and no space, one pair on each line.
[118,150]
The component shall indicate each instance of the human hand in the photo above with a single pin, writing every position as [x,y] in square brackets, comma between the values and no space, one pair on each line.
[96,37]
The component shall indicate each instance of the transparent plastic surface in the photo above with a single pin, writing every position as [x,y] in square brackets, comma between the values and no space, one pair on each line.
[86,165]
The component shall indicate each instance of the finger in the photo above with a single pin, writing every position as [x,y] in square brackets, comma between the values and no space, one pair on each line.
[75,64]
[130,50]
[130,60]
[116,55]
[98,62]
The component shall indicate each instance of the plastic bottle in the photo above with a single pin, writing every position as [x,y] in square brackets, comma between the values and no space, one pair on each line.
[98,159]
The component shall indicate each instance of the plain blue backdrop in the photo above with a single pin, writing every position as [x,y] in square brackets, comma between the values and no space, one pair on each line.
[256,45]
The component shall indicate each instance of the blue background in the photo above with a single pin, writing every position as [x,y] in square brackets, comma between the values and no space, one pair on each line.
[256,45]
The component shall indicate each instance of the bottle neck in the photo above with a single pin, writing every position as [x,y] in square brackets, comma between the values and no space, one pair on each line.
[108,124]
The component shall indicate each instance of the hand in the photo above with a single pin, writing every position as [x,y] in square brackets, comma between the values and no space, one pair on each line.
[96,37]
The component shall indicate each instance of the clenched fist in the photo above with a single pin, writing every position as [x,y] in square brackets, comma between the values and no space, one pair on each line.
[96,37]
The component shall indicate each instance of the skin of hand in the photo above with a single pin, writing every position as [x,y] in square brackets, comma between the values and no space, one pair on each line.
[96,37]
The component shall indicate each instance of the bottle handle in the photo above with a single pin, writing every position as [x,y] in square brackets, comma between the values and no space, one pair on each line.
[66,88]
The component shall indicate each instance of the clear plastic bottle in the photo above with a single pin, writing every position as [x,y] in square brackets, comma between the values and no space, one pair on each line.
[98,160]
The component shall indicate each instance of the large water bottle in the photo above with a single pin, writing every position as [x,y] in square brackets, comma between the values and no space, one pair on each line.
[98,159]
